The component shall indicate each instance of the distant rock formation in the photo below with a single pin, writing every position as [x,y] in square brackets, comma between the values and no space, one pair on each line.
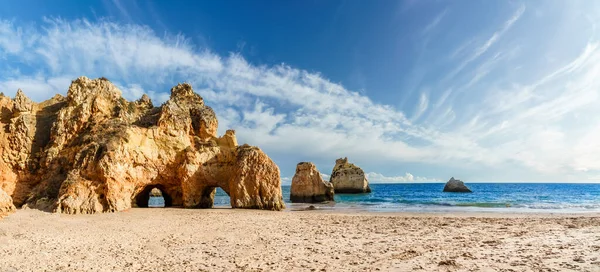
[156,192]
[348,178]
[93,151]
[456,186]
[308,186]
[6,204]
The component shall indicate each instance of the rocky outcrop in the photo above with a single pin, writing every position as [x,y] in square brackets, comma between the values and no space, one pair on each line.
[456,186]
[308,186]
[155,192]
[93,151]
[348,178]
[6,204]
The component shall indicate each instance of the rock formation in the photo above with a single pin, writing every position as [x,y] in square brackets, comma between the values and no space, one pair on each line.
[308,186]
[348,178]
[457,186]
[156,192]
[93,151]
[6,204]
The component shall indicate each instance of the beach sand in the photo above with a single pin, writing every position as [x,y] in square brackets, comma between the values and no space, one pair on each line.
[248,240]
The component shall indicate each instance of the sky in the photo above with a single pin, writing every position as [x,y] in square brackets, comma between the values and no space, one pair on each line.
[411,91]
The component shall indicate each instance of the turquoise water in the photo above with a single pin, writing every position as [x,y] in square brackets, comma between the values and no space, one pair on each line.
[156,202]
[486,197]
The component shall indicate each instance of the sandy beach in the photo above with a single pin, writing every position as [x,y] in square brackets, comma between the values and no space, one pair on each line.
[248,240]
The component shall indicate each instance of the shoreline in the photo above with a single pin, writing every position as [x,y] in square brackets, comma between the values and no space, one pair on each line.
[476,214]
[303,208]
[454,211]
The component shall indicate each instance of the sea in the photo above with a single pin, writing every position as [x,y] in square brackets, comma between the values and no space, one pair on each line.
[486,197]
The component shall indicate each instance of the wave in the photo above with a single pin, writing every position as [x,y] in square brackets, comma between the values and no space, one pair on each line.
[400,203]
[485,205]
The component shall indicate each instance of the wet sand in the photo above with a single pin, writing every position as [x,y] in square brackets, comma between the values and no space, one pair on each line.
[248,240]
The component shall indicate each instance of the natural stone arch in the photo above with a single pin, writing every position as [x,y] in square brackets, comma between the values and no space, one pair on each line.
[97,152]
[207,196]
[141,199]
[244,172]
[203,174]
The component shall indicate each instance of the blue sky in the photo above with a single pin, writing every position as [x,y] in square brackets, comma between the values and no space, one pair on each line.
[410,91]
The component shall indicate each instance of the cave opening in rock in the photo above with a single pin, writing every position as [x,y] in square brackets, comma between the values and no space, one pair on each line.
[151,197]
[222,198]
[213,196]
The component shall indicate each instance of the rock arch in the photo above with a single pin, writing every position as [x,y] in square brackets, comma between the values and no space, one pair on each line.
[141,200]
[99,151]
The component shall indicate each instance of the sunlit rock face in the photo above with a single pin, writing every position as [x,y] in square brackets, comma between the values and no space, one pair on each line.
[348,178]
[6,204]
[93,151]
[308,186]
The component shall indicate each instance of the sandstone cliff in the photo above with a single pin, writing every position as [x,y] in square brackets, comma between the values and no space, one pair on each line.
[308,186]
[348,178]
[6,204]
[93,151]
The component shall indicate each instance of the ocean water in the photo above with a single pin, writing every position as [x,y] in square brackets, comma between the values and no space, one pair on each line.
[486,197]
[156,202]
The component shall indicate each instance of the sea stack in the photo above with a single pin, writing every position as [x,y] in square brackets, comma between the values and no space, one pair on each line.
[156,192]
[348,178]
[456,186]
[6,204]
[93,151]
[308,186]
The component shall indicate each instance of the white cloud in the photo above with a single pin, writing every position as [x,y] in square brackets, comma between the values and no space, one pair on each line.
[494,38]
[11,38]
[288,180]
[422,107]
[480,50]
[435,22]
[37,87]
[408,177]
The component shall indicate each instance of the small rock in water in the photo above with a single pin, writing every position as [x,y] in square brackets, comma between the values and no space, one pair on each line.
[155,192]
[456,186]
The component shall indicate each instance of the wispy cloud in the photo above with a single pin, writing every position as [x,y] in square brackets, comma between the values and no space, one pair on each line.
[489,42]
[408,177]
[422,106]
[122,9]
[435,22]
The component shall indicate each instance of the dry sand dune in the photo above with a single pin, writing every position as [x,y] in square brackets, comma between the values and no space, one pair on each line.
[249,240]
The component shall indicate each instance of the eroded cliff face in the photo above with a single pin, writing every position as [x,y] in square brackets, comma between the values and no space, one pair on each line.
[6,204]
[93,151]
[348,178]
[308,186]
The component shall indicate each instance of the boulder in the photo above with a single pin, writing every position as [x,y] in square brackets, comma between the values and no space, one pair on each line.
[348,178]
[308,186]
[6,204]
[155,192]
[456,186]
[93,151]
